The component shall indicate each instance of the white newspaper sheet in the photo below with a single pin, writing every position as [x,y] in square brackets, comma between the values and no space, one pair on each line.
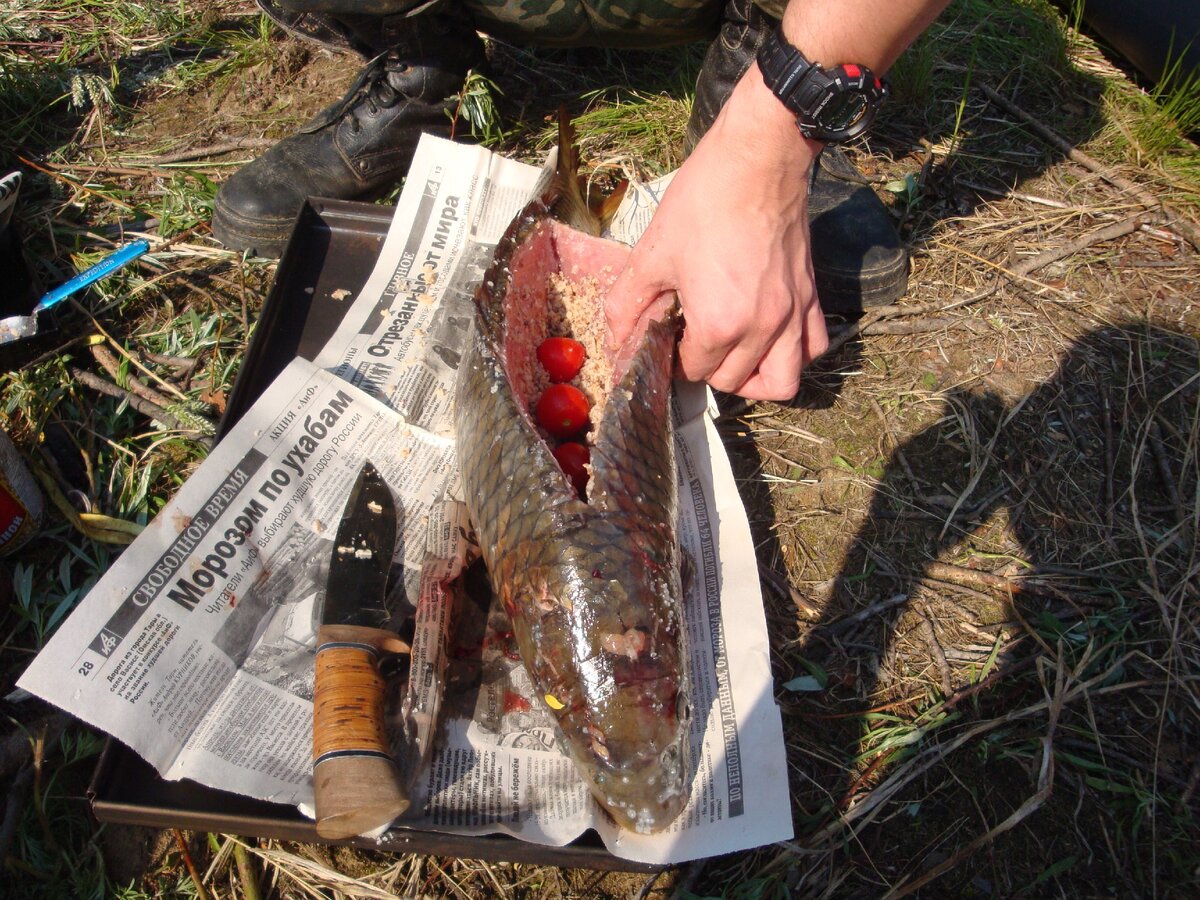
[196,648]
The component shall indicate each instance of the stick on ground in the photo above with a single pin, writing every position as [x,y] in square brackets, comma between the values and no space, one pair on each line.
[1174,220]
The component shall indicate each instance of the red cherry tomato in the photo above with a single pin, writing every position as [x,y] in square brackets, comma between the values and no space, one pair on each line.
[561,357]
[562,410]
[573,459]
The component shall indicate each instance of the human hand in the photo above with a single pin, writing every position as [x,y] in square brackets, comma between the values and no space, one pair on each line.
[731,237]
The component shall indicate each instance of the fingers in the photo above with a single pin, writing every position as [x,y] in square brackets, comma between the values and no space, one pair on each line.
[816,337]
[703,354]
[640,282]
[772,373]
[753,346]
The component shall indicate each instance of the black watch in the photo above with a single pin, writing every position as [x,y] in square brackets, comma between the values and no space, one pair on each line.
[831,105]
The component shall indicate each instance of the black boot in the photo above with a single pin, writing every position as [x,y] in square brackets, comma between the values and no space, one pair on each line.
[359,147]
[319,27]
[857,256]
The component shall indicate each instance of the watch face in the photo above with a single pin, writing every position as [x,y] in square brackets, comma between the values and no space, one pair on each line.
[844,110]
[850,98]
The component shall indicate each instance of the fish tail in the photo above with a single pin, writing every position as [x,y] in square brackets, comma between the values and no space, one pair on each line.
[571,206]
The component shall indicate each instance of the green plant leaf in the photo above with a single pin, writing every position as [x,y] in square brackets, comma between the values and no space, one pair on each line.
[804,684]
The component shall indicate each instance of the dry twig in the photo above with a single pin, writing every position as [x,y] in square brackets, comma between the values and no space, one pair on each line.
[925,326]
[968,577]
[873,610]
[190,864]
[784,588]
[1181,226]
[185,365]
[145,407]
[105,357]
[230,146]
[935,649]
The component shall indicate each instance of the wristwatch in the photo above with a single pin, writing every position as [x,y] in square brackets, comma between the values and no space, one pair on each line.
[830,105]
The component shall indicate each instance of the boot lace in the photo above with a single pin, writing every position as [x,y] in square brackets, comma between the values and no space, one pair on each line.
[372,89]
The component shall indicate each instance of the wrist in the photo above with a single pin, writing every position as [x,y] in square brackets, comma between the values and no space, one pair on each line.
[755,110]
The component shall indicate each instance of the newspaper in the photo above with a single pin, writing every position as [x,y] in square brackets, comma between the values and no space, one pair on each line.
[196,648]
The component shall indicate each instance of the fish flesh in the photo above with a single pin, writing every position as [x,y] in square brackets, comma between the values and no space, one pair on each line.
[592,584]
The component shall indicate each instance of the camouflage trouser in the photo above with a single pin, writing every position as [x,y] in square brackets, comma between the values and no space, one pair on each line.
[559,23]
[620,23]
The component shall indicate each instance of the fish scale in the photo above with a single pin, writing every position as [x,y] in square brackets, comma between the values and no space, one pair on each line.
[592,587]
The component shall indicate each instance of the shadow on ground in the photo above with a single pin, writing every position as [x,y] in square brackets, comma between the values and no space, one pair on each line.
[1026,576]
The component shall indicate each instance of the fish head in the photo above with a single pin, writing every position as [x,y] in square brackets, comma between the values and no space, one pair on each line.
[624,706]
[636,755]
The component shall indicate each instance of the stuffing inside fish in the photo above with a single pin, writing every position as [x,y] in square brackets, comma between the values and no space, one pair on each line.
[591,582]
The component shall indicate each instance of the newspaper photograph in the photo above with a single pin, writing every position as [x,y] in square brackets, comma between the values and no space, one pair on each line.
[197,647]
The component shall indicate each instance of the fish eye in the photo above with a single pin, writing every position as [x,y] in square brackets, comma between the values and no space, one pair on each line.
[669,761]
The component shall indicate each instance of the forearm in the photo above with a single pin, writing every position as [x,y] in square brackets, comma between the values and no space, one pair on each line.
[830,32]
[872,33]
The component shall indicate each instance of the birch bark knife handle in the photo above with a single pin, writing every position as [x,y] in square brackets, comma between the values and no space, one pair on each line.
[356,785]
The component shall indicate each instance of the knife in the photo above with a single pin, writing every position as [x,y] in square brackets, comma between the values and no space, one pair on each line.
[357,787]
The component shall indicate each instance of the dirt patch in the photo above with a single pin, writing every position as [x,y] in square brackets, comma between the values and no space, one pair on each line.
[267,100]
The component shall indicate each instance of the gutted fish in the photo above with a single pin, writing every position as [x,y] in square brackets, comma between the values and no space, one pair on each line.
[591,582]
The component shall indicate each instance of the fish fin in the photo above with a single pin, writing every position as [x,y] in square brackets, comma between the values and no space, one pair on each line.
[571,206]
[606,209]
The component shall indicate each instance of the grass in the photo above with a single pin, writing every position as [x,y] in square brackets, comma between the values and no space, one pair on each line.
[629,131]
[1022,39]
[67,60]
[478,109]
[1022,470]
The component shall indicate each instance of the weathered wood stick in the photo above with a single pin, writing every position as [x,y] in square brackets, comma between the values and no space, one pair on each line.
[1174,220]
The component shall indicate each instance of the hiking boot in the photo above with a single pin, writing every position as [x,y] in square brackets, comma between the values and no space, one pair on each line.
[318,27]
[858,260]
[357,148]
[857,256]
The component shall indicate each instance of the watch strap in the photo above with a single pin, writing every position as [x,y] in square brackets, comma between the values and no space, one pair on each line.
[831,105]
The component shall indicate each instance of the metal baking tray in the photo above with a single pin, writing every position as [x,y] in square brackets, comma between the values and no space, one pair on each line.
[332,250]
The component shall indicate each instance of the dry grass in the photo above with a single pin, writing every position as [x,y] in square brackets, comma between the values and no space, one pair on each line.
[977,525]
[992,555]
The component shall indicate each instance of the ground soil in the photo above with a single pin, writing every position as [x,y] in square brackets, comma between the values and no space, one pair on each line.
[1012,435]
[268,100]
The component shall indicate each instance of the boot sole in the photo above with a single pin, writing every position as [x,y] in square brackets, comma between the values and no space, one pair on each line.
[264,238]
[852,293]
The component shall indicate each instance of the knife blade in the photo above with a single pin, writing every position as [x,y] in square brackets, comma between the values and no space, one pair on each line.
[356,785]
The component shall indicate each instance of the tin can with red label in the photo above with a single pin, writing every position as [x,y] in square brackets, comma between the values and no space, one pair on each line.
[21,504]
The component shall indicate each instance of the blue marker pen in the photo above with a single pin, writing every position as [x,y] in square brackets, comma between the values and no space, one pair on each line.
[106,266]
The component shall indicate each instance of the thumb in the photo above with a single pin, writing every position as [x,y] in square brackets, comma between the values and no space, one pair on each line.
[631,294]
